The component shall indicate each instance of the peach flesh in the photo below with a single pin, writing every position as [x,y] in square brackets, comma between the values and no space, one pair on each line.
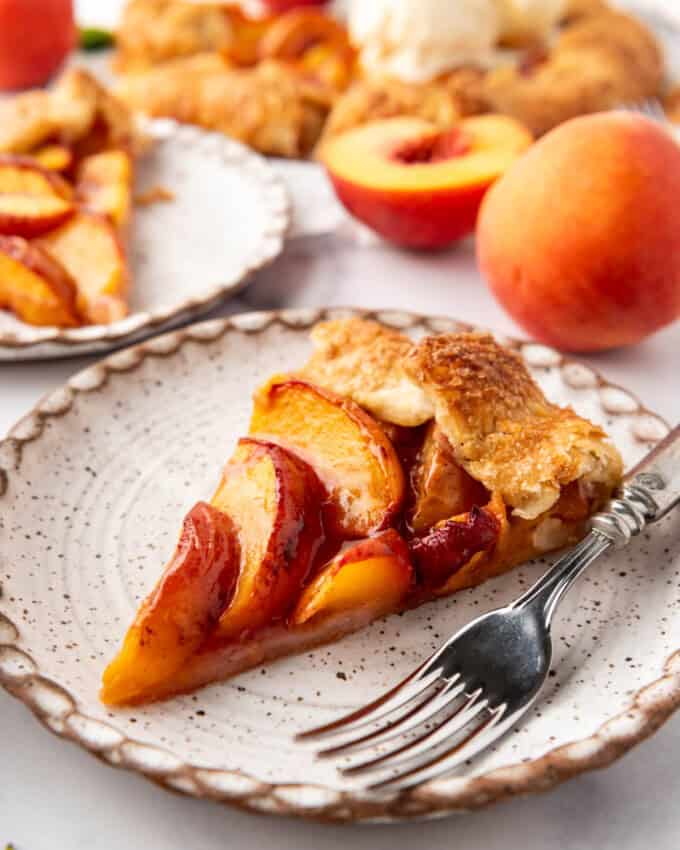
[432,148]
[418,187]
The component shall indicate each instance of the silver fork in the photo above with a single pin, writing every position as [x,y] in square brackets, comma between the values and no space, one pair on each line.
[481,681]
[651,107]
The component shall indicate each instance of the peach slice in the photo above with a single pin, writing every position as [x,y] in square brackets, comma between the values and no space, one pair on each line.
[291,34]
[441,487]
[104,186]
[54,157]
[416,185]
[181,611]
[23,175]
[246,33]
[274,500]
[34,285]
[451,545]
[89,249]
[281,6]
[345,446]
[32,215]
[375,573]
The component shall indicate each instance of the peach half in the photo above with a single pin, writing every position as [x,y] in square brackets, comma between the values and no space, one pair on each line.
[415,185]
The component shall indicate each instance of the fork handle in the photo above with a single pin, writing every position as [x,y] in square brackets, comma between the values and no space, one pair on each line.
[651,490]
[659,472]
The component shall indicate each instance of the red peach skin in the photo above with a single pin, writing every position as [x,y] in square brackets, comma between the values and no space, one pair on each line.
[275,501]
[417,186]
[451,545]
[580,239]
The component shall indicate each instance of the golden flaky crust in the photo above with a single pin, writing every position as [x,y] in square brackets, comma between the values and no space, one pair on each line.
[374,98]
[25,122]
[361,360]
[601,61]
[269,107]
[502,429]
[80,105]
[154,31]
[77,107]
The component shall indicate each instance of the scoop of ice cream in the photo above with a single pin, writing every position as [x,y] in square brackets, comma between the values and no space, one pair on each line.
[416,40]
[526,21]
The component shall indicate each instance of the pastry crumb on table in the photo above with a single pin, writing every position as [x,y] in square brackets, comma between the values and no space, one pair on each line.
[154,195]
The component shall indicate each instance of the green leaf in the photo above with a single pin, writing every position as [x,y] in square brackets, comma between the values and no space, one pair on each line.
[93,38]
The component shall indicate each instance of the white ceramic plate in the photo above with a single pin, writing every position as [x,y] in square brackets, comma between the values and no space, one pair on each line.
[94,485]
[228,218]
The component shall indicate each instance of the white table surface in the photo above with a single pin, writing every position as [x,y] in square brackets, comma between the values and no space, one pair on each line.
[55,797]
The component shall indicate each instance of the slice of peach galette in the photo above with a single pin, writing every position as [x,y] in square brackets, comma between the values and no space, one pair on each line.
[383,474]
[66,178]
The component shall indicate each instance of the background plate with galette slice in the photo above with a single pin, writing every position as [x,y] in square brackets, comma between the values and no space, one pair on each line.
[209,213]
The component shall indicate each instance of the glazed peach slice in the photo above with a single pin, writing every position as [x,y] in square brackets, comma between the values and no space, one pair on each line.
[54,157]
[274,500]
[104,186]
[89,248]
[441,487]
[294,32]
[32,199]
[416,185]
[452,544]
[374,575]
[345,446]
[23,175]
[32,215]
[181,611]
[34,285]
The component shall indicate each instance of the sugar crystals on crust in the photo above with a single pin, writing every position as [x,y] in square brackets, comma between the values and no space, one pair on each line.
[362,360]
[503,430]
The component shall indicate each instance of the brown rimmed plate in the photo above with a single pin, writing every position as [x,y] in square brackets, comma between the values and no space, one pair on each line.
[93,485]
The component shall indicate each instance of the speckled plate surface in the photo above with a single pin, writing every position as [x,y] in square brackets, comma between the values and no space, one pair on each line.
[228,218]
[94,484]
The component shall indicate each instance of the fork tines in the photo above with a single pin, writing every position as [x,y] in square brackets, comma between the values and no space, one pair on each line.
[432,722]
[650,107]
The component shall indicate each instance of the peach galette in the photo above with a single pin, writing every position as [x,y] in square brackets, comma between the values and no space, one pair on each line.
[282,81]
[66,161]
[381,475]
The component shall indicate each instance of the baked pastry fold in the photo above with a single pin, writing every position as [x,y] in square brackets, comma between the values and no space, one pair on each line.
[382,475]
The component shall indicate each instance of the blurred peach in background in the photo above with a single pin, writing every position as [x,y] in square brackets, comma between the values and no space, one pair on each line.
[36,36]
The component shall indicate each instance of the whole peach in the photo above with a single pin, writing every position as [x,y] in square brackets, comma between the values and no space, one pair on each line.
[580,239]
[35,39]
